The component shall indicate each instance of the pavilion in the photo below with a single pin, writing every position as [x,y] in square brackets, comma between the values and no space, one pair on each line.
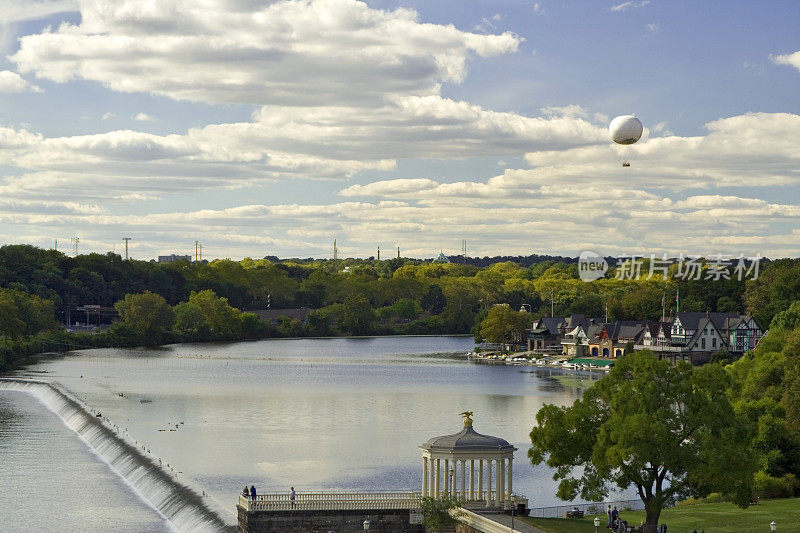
[462,465]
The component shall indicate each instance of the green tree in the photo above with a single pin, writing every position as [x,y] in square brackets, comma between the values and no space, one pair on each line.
[357,315]
[223,321]
[190,321]
[10,323]
[670,431]
[252,326]
[433,301]
[148,314]
[439,513]
[503,324]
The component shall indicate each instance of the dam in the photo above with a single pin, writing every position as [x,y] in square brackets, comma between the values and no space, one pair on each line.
[181,505]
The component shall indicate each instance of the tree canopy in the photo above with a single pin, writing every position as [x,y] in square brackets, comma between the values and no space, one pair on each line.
[765,387]
[503,324]
[669,431]
[148,314]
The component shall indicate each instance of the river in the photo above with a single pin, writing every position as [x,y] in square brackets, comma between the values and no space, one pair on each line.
[316,414]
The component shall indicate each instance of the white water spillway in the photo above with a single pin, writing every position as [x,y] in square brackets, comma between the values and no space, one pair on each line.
[183,507]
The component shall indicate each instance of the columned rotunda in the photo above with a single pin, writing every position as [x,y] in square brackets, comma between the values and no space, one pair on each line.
[470,466]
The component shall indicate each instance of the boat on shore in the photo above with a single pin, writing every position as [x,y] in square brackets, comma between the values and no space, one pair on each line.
[543,360]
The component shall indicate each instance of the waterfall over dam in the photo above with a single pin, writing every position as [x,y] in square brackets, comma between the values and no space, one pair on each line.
[182,506]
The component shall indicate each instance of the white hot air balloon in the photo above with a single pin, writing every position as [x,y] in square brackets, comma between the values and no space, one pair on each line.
[625,130]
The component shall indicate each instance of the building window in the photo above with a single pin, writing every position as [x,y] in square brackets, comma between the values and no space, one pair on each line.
[703,343]
[714,342]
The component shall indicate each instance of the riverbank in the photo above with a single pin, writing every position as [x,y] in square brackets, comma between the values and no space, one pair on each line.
[17,353]
[542,360]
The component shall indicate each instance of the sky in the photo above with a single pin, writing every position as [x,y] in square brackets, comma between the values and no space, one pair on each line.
[273,127]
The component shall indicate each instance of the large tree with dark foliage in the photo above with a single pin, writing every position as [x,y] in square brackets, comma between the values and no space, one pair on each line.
[668,431]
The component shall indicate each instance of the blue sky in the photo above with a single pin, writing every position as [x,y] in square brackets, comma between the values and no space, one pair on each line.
[271,128]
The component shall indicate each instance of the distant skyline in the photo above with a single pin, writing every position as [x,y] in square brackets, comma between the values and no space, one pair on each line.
[274,127]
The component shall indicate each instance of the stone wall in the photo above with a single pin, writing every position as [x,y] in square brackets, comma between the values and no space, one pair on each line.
[386,521]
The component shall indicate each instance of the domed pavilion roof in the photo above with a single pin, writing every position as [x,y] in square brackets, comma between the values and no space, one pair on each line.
[467,440]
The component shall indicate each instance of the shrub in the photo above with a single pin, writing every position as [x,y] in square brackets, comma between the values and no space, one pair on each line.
[766,486]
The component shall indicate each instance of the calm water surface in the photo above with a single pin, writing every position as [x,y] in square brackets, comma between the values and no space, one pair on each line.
[316,414]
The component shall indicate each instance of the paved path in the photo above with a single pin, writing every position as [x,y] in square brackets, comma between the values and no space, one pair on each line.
[519,525]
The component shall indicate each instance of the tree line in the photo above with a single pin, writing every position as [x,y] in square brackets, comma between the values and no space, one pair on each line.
[362,296]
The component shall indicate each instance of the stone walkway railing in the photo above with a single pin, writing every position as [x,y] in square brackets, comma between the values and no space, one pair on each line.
[317,501]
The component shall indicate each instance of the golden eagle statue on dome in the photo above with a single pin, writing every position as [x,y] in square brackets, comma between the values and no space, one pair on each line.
[467,418]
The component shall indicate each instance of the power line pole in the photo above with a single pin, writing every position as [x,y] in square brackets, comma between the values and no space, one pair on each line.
[398,252]
[196,251]
[126,239]
[379,252]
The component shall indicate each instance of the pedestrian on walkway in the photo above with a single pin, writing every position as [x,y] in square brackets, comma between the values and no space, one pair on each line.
[292,497]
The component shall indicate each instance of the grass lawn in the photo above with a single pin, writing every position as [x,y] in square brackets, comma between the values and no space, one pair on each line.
[706,517]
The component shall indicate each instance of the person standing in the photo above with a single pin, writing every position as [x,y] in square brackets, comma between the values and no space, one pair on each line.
[292,496]
[608,512]
[246,492]
[614,517]
[253,492]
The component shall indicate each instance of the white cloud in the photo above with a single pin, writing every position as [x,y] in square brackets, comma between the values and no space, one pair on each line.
[571,110]
[652,27]
[282,52]
[22,10]
[663,128]
[142,117]
[629,5]
[792,60]
[108,115]
[11,82]
[390,187]
[550,220]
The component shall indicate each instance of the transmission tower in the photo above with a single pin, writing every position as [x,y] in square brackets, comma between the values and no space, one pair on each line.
[379,252]
[126,239]
[75,241]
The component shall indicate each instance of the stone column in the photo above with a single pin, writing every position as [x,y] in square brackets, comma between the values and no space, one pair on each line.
[480,479]
[463,478]
[472,479]
[488,483]
[499,482]
[510,475]
[436,478]
[431,478]
[424,476]
[447,475]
